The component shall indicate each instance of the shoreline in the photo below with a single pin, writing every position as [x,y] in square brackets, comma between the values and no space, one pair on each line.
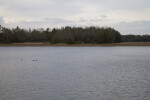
[35,44]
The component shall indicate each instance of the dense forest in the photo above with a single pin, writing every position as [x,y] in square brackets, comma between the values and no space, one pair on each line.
[70,35]
[66,34]
[136,38]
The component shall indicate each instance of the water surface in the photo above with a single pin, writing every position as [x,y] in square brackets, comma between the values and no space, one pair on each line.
[75,73]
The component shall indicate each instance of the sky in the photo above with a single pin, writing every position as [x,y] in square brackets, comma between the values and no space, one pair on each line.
[126,16]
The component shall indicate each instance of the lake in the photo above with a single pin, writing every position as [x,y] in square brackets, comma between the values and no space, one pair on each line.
[74,73]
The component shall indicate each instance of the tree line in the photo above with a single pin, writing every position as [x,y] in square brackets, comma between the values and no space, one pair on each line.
[70,35]
[136,38]
[66,34]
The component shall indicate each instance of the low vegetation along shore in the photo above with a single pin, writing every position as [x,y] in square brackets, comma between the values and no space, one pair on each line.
[77,45]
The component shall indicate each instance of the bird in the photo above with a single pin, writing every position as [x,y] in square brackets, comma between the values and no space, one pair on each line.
[34,60]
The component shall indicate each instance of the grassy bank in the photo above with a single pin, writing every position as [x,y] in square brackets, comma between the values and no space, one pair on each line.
[80,45]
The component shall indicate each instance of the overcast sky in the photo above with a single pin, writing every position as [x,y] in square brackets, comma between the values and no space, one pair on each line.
[127,16]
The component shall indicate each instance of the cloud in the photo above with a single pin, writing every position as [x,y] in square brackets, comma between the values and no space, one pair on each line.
[57,20]
[56,13]
[135,27]
[44,23]
[2,21]
[40,7]
[103,16]
[121,4]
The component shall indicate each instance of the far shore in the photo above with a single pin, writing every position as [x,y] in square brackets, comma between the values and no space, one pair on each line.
[77,45]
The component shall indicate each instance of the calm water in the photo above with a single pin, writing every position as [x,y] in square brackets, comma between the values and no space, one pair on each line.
[75,73]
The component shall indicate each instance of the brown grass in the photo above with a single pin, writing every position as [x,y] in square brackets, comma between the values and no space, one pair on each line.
[78,45]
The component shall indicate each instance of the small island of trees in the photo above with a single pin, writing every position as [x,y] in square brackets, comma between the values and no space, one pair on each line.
[69,35]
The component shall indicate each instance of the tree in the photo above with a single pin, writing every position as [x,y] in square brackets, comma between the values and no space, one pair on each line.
[66,35]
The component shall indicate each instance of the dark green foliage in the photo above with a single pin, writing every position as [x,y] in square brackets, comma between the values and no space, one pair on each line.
[136,38]
[18,35]
[66,34]
[6,36]
[63,35]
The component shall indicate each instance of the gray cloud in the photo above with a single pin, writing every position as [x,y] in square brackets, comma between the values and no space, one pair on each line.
[41,7]
[46,22]
[1,21]
[122,4]
[82,20]
[57,20]
[57,13]
[103,16]
[136,27]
